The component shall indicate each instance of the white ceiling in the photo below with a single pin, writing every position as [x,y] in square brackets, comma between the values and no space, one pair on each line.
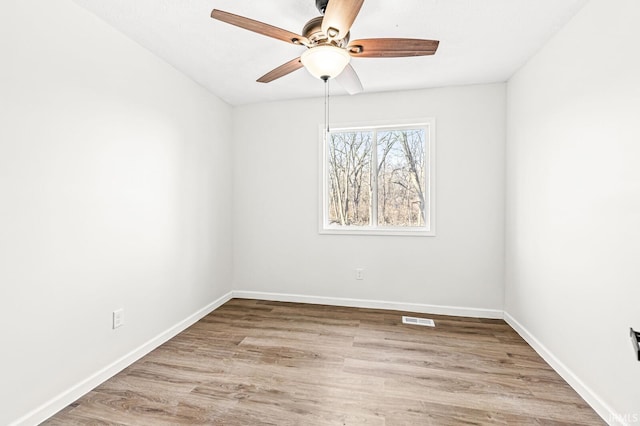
[481,41]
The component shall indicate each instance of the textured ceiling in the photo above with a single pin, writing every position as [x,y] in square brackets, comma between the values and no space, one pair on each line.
[481,41]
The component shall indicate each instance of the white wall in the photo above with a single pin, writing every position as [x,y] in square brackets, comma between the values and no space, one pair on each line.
[277,248]
[573,203]
[114,192]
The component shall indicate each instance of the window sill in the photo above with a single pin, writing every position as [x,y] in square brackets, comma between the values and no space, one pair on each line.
[409,232]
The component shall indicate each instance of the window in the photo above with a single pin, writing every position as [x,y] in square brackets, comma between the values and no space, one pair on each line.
[379,179]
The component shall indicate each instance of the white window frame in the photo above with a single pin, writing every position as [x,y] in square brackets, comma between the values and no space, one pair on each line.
[429,230]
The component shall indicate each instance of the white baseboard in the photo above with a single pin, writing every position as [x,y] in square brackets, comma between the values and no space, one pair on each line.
[56,404]
[598,405]
[372,304]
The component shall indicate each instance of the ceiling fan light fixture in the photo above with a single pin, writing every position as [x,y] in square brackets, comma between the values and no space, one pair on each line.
[325,61]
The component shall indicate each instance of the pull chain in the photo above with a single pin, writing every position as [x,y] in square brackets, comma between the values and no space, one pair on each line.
[326,103]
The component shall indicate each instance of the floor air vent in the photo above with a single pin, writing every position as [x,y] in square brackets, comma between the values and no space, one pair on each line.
[418,321]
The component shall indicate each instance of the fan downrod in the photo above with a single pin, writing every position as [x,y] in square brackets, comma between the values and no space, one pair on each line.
[321,5]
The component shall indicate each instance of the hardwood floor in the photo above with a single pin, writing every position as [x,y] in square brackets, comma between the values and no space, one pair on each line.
[267,363]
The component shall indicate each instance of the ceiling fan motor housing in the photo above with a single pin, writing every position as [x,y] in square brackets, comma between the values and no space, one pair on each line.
[313,32]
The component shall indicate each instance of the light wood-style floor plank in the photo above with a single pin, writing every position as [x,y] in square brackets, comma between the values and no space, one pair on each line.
[268,363]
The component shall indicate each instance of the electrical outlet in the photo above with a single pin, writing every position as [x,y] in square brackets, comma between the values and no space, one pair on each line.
[118,318]
[359,274]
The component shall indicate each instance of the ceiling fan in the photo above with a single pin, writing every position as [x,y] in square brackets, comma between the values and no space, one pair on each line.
[329,48]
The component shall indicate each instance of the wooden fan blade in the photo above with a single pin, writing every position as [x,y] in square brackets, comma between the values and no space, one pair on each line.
[339,16]
[258,27]
[391,47]
[349,80]
[281,71]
